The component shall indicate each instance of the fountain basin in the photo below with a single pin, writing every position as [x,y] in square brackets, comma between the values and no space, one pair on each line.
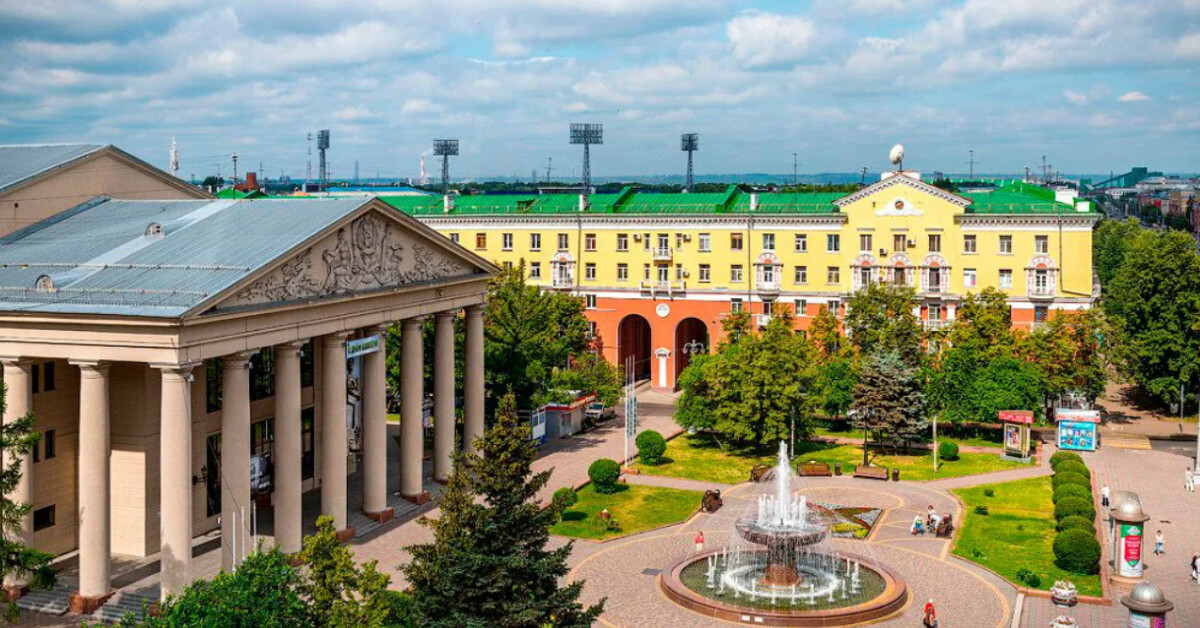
[883,594]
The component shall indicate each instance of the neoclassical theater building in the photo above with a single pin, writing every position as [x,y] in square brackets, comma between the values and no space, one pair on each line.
[165,346]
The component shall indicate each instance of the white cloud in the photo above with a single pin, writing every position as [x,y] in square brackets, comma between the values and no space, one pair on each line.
[350,114]
[766,40]
[1074,97]
[1133,97]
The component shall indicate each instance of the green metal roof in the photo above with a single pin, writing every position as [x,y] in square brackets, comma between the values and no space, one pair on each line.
[791,203]
[1019,199]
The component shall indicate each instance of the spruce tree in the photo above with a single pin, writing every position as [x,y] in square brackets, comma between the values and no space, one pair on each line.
[889,400]
[488,564]
[17,561]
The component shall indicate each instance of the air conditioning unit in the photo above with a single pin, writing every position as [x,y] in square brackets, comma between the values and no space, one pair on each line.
[687,274]
[912,243]
[637,237]
[882,252]
[687,237]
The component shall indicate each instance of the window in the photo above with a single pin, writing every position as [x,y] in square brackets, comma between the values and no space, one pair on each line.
[899,242]
[1041,281]
[645,241]
[622,272]
[35,377]
[935,280]
[589,242]
[833,243]
[768,274]
[1041,244]
[590,301]
[679,272]
[1039,313]
[705,273]
[43,518]
[735,273]
[589,271]
[705,242]
[564,241]
[768,240]
[801,307]
[507,265]
[735,305]
[48,376]
[480,241]
[622,241]
[735,241]
[935,243]
[1005,278]
[664,274]
[593,329]
[308,367]
[835,306]
[262,374]
[506,240]
[535,270]
[646,272]
[801,274]
[768,306]
[864,242]
[969,244]
[801,243]
[935,312]
[535,242]
[48,444]
[454,238]
[664,242]
[969,278]
[1006,245]
[213,383]
[679,240]
[864,276]
[833,275]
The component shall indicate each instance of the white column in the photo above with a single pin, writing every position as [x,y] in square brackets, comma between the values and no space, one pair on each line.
[412,396]
[236,508]
[443,396]
[94,489]
[333,429]
[473,389]
[374,376]
[175,484]
[18,403]
[288,447]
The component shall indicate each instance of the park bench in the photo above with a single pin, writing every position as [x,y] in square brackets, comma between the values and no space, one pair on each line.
[815,469]
[874,473]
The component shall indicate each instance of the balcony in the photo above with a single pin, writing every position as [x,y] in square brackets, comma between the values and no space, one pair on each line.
[937,324]
[668,288]
[661,254]
[1036,291]
[762,319]
[562,283]
[770,287]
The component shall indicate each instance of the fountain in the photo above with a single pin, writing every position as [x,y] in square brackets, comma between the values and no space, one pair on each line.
[781,568]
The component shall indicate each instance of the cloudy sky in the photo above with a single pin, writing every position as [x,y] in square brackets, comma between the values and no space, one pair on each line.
[1096,85]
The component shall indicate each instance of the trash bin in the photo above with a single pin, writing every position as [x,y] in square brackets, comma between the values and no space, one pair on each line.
[837,468]
[895,475]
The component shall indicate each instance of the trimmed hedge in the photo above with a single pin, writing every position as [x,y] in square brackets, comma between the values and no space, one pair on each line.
[1075,522]
[1074,467]
[1074,506]
[1077,551]
[1063,456]
[1072,490]
[948,450]
[651,446]
[604,473]
[1070,478]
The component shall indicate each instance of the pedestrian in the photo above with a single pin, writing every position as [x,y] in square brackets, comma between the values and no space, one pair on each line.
[1189,480]
[930,615]
[1196,568]
[917,526]
[1105,494]
[1158,543]
[699,541]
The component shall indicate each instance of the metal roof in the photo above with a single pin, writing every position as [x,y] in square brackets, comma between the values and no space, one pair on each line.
[104,257]
[20,162]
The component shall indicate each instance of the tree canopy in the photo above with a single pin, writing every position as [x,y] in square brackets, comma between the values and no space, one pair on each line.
[889,400]
[1111,241]
[880,318]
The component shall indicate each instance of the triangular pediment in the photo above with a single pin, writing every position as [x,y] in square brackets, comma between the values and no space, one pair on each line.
[373,251]
[895,186]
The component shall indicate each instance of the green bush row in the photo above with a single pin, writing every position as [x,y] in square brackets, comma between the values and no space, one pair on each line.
[1075,547]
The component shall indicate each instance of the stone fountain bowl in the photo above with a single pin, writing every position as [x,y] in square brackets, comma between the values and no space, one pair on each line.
[794,536]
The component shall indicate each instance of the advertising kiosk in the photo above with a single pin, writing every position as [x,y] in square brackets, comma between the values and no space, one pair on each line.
[1077,428]
[1016,434]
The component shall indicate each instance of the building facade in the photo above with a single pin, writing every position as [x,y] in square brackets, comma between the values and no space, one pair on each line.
[659,271]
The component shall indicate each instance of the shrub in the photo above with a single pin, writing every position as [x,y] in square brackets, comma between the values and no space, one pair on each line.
[1063,456]
[1071,466]
[1071,478]
[987,492]
[1029,578]
[981,509]
[564,498]
[1073,506]
[948,451]
[1077,551]
[650,446]
[1075,522]
[604,474]
[1071,490]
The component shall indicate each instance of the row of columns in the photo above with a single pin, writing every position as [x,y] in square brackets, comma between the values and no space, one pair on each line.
[176,527]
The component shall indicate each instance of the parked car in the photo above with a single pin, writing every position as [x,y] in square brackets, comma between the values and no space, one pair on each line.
[596,412]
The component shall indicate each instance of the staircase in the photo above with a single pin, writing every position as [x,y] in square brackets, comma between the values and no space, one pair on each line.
[125,602]
[54,601]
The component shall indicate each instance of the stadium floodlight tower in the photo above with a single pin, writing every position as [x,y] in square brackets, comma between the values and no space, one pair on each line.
[322,146]
[689,143]
[444,149]
[587,134]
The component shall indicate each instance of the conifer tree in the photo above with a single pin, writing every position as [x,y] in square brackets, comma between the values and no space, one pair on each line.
[889,400]
[488,564]
[18,561]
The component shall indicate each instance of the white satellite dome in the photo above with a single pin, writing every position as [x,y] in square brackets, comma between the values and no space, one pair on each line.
[897,154]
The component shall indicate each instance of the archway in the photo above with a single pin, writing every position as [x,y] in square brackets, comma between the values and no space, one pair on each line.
[633,342]
[691,337]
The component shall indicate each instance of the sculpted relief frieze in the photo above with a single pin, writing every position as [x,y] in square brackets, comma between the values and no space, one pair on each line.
[369,254]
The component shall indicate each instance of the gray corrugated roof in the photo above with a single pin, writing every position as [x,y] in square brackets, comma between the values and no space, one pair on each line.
[19,162]
[101,261]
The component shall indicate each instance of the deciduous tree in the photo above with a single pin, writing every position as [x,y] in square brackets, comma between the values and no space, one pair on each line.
[880,318]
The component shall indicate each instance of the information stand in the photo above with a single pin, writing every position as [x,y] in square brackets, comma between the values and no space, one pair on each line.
[1077,429]
[1016,434]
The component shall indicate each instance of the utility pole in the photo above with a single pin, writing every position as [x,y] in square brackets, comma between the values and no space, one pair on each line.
[972,152]
[863,180]
[794,171]
[549,168]
[235,168]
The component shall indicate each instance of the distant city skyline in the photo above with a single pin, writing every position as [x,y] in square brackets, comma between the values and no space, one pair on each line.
[1095,86]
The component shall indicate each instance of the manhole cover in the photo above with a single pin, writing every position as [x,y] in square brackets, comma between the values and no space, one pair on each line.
[650,571]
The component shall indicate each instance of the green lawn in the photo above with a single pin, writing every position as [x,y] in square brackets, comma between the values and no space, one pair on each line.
[635,507]
[1017,533]
[974,441]
[699,458]
[916,466]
